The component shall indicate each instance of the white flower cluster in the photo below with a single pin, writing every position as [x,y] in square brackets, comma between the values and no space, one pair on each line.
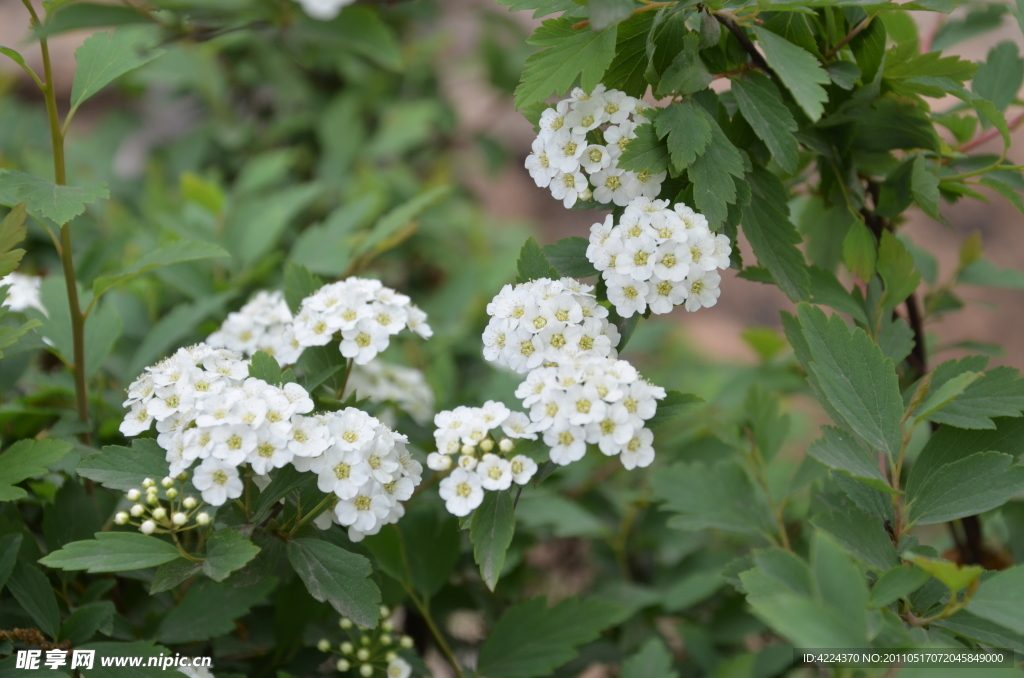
[592,400]
[263,324]
[23,292]
[324,10]
[366,465]
[207,408]
[545,320]
[658,258]
[482,463]
[365,313]
[406,387]
[583,136]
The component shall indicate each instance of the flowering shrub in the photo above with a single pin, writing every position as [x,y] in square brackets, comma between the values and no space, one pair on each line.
[218,438]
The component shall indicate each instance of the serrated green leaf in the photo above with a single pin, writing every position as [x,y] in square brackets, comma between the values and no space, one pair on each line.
[838,581]
[112,552]
[169,575]
[896,583]
[773,237]
[924,186]
[799,71]
[491,530]
[60,204]
[569,257]
[1001,76]
[838,450]
[687,73]
[807,622]
[761,104]
[868,49]
[626,71]
[826,289]
[945,394]
[688,128]
[966,487]
[653,660]
[87,620]
[123,468]
[164,255]
[711,497]
[28,459]
[532,264]
[264,366]
[226,551]
[860,253]
[673,405]
[12,231]
[338,577]
[1005,190]
[860,533]
[104,57]
[299,283]
[210,610]
[999,394]
[896,268]
[531,639]
[645,152]
[31,588]
[712,175]
[569,54]
[998,599]
[604,13]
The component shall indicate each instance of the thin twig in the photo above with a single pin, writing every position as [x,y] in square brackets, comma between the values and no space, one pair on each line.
[850,36]
[730,23]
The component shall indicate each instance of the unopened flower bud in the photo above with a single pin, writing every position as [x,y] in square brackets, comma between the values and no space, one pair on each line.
[203,518]
[323,645]
[189,503]
[179,519]
[147,527]
[364,640]
[152,500]
[345,623]
[133,494]
[467,449]
[386,639]
[172,493]
[347,648]
[406,642]
[506,445]
[147,483]
[138,510]
[363,654]
[486,444]
[467,462]
[391,656]
[385,611]
[438,462]
[160,513]
[183,476]
[342,665]
[151,491]
[366,671]
[121,518]
[167,482]
[387,625]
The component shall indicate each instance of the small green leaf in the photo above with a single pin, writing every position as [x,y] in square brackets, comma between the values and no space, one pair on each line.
[653,660]
[164,255]
[998,599]
[265,367]
[60,204]
[124,468]
[924,186]
[712,175]
[87,620]
[210,610]
[9,546]
[31,588]
[383,233]
[687,73]
[761,104]
[169,575]
[955,577]
[569,257]
[966,487]
[28,459]
[798,69]
[773,236]
[860,252]
[532,264]
[337,576]
[491,530]
[942,396]
[226,551]
[531,639]
[899,582]
[112,552]
[645,152]
[12,231]
[712,497]
[673,405]
[569,54]
[688,128]
[299,283]
[840,451]
[104,57]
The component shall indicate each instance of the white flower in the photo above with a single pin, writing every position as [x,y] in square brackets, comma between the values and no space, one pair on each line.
[629,296]
[23,292]
[645,184]
[324,10]
[398,668]
[271,451]
[263,324]
[567,187]
[438,462]
[495,473]
[343,472]
[364,341]
[638,451]
[703,291]
[594,159]
[366,510]
[517,425]
[664,295]
[610,186]
[523,468]
[567,443]
[218,481]
[564,150]
[462,492]
[539,165]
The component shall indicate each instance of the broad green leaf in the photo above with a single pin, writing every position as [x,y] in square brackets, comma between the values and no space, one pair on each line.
[798,69]
[711,497]
[860,253]
[123,468]
[338,577]
[31,588]
[164,255]
[604,13]
[924,186]
[998,599]
[688,128]
[956,577]
[966,487]
[568,256]
[645,152]
[226,551]
[897,583]
[87,620]
[687,73]
[761,105]
[984,273]
[299,283]
[532,264]
[769,426]
[433,545]
[60,204]
[210,610]
[965,624]
[896,339]
[104,57]
[361,29]
[89,15]
[868,49]
[257,224]
[838,581]
[843,73]
[713,173]
[859,383]
[653,660]
[861,534]
[777,571]
[491,530]
[12,231]
[944,395]
[807,622]
[691,589]
[102,330]
[826,289]
[673,405]
[265,367]
[28,459]
[169,575]
[112,552]
[773,237]
[626,71]
[9,546]
[284,480]
[1000,393]
[568,54]
[949,445]
[531,639]
[840,451]
[896,268]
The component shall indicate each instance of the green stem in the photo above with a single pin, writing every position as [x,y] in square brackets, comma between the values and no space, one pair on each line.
[66,251]
[311,515]
[344,383]
[446,649]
